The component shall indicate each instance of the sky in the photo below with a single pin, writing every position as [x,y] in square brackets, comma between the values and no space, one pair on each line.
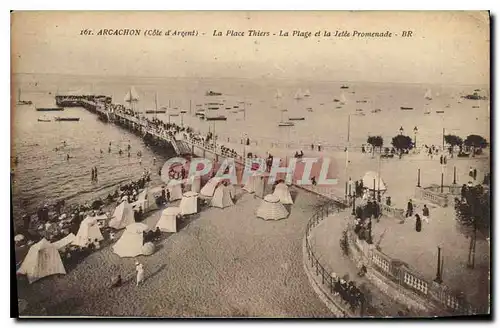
[446,47]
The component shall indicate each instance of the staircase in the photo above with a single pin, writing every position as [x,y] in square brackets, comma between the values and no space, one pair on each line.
[181,147]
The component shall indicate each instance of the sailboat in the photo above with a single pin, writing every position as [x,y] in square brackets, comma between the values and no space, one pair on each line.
[278,94]
[156,110]
[343,99]
[22,102]
[428,94]
[307,94]
[132,97]
[298,95]
[284,123]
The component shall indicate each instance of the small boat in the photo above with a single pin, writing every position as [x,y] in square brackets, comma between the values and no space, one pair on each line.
[173,115]
[213,108]
[236,106]
[49,109]
[475,106]
[298,95]
[183,111]
[156,112]
[212,93]
[336,100]
[440,111]
[428,94]
[406,108]
[376,110]
[359,109]
[43,120]
[309,109]
[228,108]
[22,102]
[338,107]
[216,118]
[361,101]
[360,114]
[67,119]
[296,118]
[286,124]
[427,112]
[447,106]
[344,87]
[307,94]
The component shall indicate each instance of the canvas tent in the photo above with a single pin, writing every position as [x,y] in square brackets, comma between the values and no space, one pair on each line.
[88,232]
[175,188]
[189,203]
[42,260]
[261,185]
[194,182]
[123,216]
[168,219]
[130,243]
[250,183]
[209,189]
[370,178]
[271,209]
[283,193]
[222,197]
[147,200]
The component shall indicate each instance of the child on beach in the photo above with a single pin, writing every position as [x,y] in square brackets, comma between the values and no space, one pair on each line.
[140,273]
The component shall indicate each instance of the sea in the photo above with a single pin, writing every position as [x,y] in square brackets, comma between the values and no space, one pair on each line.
[336,114]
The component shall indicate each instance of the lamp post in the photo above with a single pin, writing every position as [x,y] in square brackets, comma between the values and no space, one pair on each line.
[438,279]
[415,131]
[418,178]
[454,175]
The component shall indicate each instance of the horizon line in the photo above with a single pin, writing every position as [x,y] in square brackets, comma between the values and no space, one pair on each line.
[242,78]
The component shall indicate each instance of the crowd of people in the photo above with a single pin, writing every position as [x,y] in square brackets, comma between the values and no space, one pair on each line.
[348,292]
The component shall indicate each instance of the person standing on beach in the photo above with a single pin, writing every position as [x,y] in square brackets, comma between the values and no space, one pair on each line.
[95,173]
[425,213]
[409,209]
[418,223]
[140,273]
[92,175]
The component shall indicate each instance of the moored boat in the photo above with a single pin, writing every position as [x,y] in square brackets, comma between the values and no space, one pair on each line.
[216,118]
[67,119]
[49,109]
[286,124]
[296,118]
[406,108]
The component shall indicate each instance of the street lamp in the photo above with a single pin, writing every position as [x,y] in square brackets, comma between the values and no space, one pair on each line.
[415,131]
[401,130]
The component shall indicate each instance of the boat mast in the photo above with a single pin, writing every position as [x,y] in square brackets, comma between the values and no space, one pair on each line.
[156,105]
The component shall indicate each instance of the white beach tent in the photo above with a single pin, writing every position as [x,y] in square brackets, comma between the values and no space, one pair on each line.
[189,203]
[222,197]
[209,189]
[61,243]
[194,182]
[123,216]
[261,185]
[130,243]
[175,188]
[88,232]
[283,193]
[271,209]
[368,181]
[168,219]
[42,260]
[250,183]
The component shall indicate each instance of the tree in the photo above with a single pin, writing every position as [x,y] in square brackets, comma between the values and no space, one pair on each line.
[401,142]
[375,141]
[476,142]
[453,140]
[473,212]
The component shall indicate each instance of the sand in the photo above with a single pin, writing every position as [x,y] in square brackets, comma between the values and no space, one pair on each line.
[224,263]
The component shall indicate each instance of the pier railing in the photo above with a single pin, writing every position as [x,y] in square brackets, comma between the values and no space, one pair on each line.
[408,279]
[326,275]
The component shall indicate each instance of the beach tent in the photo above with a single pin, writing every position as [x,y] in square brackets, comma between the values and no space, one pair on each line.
[175,188]
[368,181]
[261,185]
[271,209]
[250,183]
[194,182]
[88,232]
[222,197]
[168,219]
[130,243]
[61,243]
[123,216]
[42,260]
[189,203]
[281,191]
[209,189]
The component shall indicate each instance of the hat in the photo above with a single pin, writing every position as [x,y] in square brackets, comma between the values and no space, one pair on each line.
[136,262]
